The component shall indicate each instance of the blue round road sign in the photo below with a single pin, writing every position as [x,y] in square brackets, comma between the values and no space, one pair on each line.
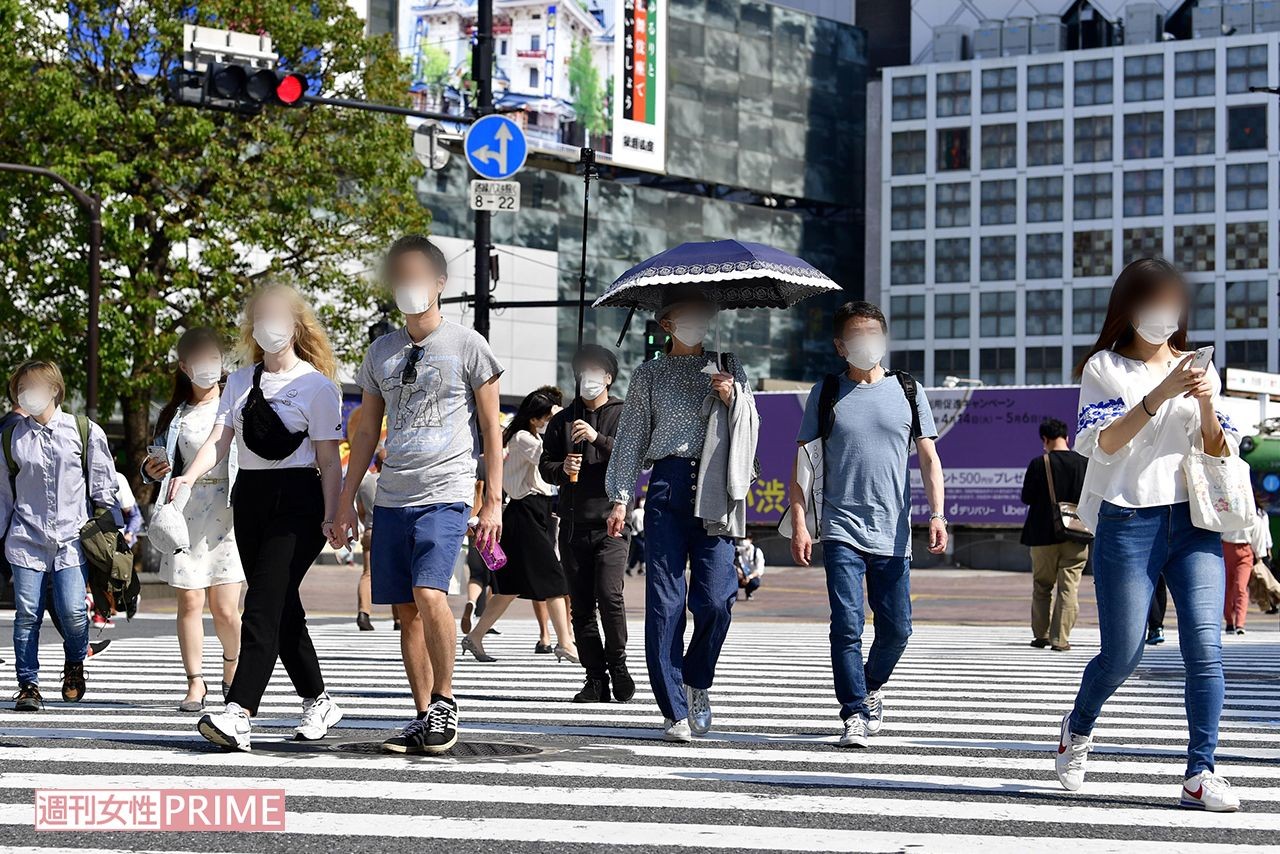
[495,147]
[1271,483]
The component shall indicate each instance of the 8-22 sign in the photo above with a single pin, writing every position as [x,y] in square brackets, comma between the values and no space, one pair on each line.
[494,195]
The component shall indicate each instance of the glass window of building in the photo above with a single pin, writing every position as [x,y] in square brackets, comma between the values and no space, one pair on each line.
[999,146]
[998,258]
[1193,73]
[1044,255]
[999,202]
[953,149]
[906,207]
[998,314]
[1246,66]
[1193,190]
[953,96]
[1144,77]
[950,363]
[1044,143]
[1091,255]
[1088,309]
[1044,313]
[1093,139]
[1247,305]
[906,258]
[906,316]
[1144,193]
[911,361]
[1092,198]
[1194,249]
[951,205]
[1247,127]
[1044,86]
[999,90]
[1193,132]
[533,76]
[1246,246]
[1143,135]
[907,152]
[951,260]
[1249,355]
[1202,314]
[1044,199]
[1247,188]
[951,316]
[1044,365]
[998,365]
[1142,243]
[1093,82]
[909,97]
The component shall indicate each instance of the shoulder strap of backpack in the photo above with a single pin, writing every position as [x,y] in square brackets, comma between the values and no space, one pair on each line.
[908,384]
[827,405]
[82,427]
[9,461]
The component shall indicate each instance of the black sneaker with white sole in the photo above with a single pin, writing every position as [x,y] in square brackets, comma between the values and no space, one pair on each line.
[442,725]
[411,739]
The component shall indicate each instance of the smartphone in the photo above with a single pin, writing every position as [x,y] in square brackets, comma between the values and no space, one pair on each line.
[1201,358]
[158,452]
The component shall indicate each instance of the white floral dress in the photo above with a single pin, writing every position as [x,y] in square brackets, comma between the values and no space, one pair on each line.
[212,558]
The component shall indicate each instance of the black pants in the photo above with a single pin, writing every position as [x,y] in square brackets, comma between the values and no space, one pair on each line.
[1159,602]
[596,564]
[277,515]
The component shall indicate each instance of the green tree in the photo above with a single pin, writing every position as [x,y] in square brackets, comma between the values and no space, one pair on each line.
[435,67]
[584,83]
[198,206]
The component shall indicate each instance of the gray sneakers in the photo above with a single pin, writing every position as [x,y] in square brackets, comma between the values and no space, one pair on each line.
[699,709]
[855,732]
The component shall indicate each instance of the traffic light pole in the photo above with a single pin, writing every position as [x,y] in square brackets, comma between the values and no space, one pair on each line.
[93,208]
[482,74]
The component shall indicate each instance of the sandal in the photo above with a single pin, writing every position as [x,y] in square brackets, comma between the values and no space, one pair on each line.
[194,705]
[226,686]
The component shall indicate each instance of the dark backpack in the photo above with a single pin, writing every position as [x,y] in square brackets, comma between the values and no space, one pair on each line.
[831,389]
[263,431]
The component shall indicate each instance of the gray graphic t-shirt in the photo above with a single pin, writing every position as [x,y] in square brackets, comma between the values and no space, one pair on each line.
[429,389]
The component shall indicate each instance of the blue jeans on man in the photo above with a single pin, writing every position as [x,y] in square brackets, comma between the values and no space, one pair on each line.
[675,537]
[32,597]
[888,593]
[1132,548]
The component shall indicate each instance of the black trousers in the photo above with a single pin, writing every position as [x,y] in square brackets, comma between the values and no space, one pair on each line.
[596,565]
[277,514]
[1159,602]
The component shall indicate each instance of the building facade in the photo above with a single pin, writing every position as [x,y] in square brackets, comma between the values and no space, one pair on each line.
[1012,190]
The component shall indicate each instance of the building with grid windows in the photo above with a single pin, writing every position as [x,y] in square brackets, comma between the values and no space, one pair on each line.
[1012,189]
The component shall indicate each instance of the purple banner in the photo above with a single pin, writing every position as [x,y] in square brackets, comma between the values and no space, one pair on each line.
[986,437]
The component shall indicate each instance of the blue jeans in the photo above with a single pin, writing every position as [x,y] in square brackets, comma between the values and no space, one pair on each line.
[1132,548]
[674,537]
[889,595]
[31,599]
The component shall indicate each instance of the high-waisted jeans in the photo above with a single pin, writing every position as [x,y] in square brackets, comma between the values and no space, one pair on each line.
[1133,547]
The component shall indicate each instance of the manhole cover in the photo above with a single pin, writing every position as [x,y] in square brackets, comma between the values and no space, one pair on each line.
[461,750]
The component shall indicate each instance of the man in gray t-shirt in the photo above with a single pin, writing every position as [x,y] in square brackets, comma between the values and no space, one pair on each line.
[866,425]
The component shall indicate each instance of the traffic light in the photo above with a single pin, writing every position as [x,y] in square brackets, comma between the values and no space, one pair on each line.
[238,88]
[655,340]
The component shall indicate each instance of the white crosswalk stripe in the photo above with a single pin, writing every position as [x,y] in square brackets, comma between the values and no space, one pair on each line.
[963,763]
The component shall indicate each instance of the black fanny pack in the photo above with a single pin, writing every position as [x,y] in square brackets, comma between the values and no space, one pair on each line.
[263,431]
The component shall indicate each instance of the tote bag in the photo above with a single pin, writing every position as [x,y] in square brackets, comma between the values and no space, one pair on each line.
[1219,489]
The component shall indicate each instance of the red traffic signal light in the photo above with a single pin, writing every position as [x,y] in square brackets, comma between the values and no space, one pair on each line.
[245,88]
[290,88]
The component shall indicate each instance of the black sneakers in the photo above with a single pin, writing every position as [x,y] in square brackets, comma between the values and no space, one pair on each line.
[593,691]
[73,681]
[411,739]
[434,733]
[28,699]
[624,687]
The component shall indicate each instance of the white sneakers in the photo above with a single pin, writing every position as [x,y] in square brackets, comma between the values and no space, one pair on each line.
[855,731]
[1073,752]
[699,709]
[317,716]
[875,711]
[230,727]
[676,731]
[1208,791]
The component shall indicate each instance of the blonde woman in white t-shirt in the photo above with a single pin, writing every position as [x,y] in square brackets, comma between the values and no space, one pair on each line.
[1143,406]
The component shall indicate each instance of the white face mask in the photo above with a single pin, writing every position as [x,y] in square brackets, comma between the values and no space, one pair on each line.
[1157,325]
[592,384]
[865,351]
[691,332]
[413,298]
[272,335]
[205,374]
[35,400]
[542,429]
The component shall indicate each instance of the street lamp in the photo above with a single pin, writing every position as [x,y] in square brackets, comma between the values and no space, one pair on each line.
[93,208]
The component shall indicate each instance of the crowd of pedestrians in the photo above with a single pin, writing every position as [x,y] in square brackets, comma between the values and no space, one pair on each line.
[550,509]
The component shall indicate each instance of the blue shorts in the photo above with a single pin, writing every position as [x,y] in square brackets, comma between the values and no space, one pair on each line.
[415,547]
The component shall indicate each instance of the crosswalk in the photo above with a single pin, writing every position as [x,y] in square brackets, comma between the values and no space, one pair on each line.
[963,762]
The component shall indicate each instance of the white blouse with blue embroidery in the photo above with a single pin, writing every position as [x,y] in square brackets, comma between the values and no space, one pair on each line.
[1146,472]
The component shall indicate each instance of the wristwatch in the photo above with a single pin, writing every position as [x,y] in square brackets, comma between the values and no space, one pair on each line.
[939,517]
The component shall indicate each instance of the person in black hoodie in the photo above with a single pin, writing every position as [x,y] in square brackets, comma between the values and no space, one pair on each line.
[575,455]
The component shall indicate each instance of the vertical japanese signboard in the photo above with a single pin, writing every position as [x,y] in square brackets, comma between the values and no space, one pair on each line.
[639,97]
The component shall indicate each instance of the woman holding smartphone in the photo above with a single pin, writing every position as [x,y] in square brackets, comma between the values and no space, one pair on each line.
[1144,404]
[284,413]
[210,569]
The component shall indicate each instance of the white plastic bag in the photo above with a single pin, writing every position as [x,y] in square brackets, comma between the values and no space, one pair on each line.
[168,530]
